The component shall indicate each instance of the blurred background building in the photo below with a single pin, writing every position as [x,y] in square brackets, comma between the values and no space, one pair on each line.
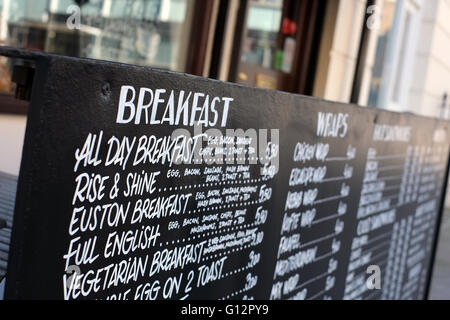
[390,54]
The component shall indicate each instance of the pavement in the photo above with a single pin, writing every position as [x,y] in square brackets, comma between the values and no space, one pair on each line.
[440,283]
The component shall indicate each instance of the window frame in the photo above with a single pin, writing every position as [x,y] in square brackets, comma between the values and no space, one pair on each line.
[399,69]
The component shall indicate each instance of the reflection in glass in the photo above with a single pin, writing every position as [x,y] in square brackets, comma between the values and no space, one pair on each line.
[145,32]
[263,25]
[401,60]
[387,20]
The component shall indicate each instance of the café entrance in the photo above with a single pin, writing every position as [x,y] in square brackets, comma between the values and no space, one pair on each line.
[276,44]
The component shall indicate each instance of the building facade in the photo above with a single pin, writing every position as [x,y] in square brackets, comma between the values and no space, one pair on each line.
[389,54]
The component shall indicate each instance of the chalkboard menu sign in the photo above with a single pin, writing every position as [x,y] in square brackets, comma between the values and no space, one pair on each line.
[144,184]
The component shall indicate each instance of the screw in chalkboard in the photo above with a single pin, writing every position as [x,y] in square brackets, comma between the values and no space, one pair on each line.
[106,89]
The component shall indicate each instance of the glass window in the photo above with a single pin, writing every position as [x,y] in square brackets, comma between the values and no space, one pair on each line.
[395,55]
[402,58]
[145,32]
[384,34]
[263,25]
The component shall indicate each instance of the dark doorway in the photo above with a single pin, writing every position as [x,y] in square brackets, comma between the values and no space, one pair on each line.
[276,44]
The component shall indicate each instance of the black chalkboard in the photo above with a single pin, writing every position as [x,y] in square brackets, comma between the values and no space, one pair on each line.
[138,183]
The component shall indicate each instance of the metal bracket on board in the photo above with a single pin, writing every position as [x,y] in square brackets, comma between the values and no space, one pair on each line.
[23,77]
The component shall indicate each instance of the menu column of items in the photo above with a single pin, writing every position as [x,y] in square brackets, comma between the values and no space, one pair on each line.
[384,177]
[313,215]
[172,227]
[397,214]
[407,279]
[395,268]
[245,258]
